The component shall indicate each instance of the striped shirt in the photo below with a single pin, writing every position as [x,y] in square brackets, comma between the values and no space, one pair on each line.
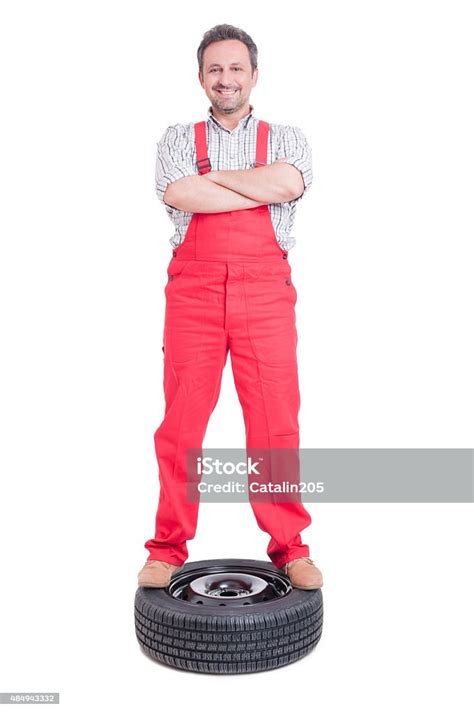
[231,150]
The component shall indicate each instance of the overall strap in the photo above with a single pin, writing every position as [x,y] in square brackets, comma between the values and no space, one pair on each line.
[262,143]
[203,163]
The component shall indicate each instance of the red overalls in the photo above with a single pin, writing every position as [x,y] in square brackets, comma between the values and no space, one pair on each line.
[229,288]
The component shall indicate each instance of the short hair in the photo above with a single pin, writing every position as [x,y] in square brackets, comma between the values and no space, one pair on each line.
[227,32]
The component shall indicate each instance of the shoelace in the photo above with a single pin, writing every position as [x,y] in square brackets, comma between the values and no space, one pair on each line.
[306,559]
[165,564]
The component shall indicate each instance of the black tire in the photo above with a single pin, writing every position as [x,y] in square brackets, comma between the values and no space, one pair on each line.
[228,638]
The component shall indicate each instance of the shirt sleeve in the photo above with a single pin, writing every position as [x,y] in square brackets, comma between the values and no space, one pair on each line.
[295,147]
[174,158]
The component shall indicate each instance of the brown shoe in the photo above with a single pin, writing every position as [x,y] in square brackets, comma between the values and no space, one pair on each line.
[156,573]
[303,573]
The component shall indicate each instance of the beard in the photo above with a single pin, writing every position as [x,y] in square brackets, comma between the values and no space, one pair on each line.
[229,105]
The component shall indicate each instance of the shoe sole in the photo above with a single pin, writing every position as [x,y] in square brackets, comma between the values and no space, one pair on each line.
[152,584]
[297,586]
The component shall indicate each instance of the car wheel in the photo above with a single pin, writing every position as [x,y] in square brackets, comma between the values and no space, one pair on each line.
[228,616]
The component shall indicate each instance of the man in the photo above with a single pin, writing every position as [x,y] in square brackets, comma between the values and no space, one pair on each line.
[230,185]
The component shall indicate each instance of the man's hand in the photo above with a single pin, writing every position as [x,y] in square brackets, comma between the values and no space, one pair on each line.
[221,191]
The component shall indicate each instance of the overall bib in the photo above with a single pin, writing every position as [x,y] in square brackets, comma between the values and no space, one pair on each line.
[229,288]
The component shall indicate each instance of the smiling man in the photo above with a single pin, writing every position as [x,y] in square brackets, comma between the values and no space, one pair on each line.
[230,184]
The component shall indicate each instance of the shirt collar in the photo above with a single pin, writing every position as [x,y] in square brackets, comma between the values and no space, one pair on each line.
[243,123]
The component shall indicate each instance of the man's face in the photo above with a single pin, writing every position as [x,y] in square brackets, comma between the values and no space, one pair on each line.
[226,66]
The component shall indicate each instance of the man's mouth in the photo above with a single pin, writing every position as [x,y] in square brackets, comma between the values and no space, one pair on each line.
[227,92]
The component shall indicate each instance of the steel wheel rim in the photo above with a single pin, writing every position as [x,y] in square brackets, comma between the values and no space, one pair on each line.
[229,585]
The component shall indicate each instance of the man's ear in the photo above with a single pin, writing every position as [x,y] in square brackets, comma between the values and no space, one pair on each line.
[200,79]
[255,76]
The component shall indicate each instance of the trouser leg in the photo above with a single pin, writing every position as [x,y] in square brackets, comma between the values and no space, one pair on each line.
[195,353]
[264,364]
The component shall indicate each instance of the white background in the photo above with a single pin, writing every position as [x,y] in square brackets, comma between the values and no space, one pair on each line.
[383,270]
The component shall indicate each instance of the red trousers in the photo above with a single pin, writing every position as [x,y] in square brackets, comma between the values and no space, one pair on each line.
[229,289]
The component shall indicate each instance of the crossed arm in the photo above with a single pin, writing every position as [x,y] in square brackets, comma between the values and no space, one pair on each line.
[220,191]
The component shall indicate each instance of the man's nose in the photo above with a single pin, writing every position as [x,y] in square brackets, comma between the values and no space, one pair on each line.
[227,79]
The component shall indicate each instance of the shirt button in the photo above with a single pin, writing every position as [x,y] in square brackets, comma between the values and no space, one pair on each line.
[288,282]
[285,256]
[174,253]
[171,277]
